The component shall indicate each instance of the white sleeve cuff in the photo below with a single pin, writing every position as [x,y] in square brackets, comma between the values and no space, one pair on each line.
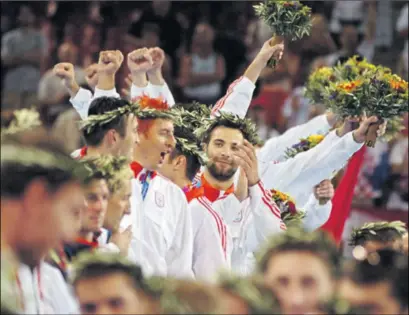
[257,190]
[107,93]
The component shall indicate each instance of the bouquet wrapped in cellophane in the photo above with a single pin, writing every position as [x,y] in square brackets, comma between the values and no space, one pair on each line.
[304,145]
[360,88]
[286,19]
[289,213]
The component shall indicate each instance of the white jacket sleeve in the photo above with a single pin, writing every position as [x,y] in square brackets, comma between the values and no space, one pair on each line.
[180,254]
[266,217]
[83,99]
[316,215]
[81,102]
[307,169]
[209,241]
[237,99]
[274,149]
[153,91]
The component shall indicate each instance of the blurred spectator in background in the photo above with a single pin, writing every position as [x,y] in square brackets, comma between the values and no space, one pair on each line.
[230,43]
[202,70]
[51,91]
[90,45]
[150,37]
[350,43]
[22,53]
[402,28]
[396,188]
[160,13]
[296,108]
[258,115]
[350,12]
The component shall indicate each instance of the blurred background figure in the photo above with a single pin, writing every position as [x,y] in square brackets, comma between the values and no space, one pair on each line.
[202,70]
[22,53]
[50,90]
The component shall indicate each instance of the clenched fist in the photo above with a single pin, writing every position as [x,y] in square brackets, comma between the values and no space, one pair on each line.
[91,75]
[158,57]
[65,71]
[324,191]
[140,60]
[109,62]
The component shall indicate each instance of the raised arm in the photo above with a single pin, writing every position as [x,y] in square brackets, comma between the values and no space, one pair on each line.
[274,148]
[309,168]
[239,94]
[146,66]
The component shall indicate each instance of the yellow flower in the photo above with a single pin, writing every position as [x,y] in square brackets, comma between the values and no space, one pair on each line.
[315,138]
[349,86]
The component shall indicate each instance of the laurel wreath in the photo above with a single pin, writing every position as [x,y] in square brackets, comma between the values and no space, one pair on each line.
[372,228]
[23,119]
[246,126]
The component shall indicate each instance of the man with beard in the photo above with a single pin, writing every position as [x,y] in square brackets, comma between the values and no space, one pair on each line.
[211,242]
[377,284]
[41,196]
[378,235]
[301,269]
[222,137]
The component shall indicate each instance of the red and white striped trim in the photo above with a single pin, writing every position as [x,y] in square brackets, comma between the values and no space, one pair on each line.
[219,221]
[268,201]
[220,103]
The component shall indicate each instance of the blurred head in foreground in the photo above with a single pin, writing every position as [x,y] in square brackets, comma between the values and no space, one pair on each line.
[107,283]
[377,284]
[41,194]
[301,268]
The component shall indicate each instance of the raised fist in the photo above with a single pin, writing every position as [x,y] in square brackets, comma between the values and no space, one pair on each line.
[158,57]
[109,61]
[140,60]
[65,71]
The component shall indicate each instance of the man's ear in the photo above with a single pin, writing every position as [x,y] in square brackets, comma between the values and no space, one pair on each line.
[111,137]
[180,162]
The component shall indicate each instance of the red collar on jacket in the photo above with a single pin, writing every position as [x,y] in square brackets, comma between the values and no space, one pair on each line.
[137,169]
[212,193]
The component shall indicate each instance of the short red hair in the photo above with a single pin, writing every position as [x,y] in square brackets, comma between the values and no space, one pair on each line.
[145,101]
[158,103]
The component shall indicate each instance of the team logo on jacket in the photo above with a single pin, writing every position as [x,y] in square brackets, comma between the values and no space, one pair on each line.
[159,199]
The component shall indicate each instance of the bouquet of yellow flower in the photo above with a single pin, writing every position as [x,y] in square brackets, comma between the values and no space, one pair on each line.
[305,144]
[289,19]
[289,212]
[373,91]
